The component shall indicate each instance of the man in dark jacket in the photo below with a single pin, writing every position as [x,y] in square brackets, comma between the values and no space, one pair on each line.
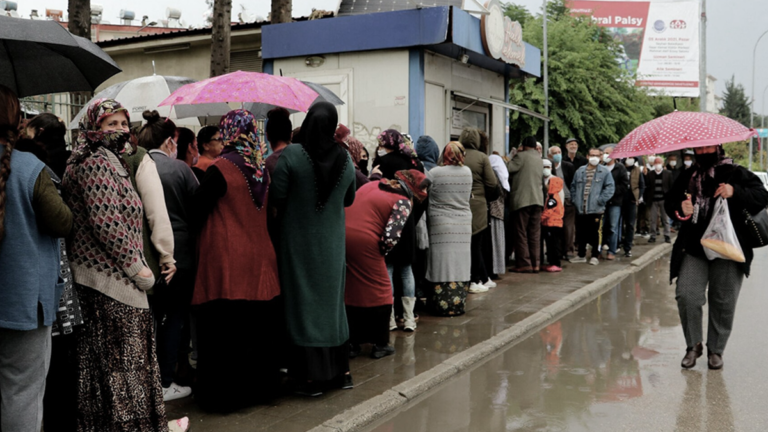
[658,182]
[565,170]
[613,209]
[573,155]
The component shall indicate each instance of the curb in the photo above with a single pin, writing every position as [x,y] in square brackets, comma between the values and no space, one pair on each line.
[365,413]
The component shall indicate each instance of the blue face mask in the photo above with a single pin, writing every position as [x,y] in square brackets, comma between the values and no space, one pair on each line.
[557,158]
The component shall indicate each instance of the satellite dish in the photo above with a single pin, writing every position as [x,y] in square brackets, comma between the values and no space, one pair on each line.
[247,17]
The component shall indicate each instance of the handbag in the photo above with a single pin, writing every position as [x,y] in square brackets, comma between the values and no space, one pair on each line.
[757,228]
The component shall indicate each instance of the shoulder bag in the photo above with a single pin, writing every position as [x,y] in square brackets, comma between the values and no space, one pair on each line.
[756,228]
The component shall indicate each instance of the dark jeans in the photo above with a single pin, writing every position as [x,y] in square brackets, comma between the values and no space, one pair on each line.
[478,272]
[527,237]
[588,231]
[170,307]
[569,229]
[628,217]
[553,236]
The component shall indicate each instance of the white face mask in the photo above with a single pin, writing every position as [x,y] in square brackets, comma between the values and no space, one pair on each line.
[673,163]
[688,163]
[547,172]
[630,162]
[607,158]
[594,160]
[658,167]
[649,165]
[381,152]
[175,151]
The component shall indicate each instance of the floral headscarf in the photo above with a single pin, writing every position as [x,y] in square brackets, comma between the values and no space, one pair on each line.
[91,137]
[453,154]
[393,140]
[355,149]
[416,182]
[244,149]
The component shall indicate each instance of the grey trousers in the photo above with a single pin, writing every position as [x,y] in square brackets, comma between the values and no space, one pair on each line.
[657,211]
[24,360]
[724,278]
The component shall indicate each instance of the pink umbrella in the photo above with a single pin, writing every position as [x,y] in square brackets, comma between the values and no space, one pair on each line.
[245,87]
[680,130]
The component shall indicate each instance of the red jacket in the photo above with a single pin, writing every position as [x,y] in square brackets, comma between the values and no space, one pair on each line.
[553,217]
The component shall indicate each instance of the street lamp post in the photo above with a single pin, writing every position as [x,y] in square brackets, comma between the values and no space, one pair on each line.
[546,83]
[752,102]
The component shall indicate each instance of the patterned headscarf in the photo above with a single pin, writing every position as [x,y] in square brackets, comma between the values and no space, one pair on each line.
[453,154]
[91,137]
[355,149]
[244,149]
[416,182]
[393,140]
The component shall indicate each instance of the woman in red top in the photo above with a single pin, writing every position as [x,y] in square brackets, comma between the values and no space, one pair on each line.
[374,224]
[237,284]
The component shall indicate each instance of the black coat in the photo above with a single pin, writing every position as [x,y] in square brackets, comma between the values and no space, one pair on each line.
[577,162]
[621,182]
[748,194]
[393,162]
[650,184]
[568,172]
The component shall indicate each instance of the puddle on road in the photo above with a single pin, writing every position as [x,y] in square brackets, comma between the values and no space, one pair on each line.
[579,373]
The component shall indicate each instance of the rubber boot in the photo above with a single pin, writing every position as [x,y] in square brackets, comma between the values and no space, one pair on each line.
[410,321]
[392,322]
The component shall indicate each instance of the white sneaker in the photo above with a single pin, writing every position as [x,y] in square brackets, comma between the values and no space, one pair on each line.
[594,261]
[490,284]
[577,259]
[176,391]
[476,288]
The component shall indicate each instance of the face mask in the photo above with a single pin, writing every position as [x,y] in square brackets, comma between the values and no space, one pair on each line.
[195,160]
[118,140]
[658,167]
[707,160]
[594,160]
[381,152]
[557,158]
[607,158]
[364,167]
[547,172]
[688,163]
[629,162]
[673,163]
[175,151]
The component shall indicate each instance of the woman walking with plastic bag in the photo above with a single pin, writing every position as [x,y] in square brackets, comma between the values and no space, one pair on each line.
[693,200]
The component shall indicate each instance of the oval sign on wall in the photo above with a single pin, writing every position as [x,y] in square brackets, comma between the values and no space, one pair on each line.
[502,37]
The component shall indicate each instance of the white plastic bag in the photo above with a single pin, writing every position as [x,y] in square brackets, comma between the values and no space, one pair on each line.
[719,240]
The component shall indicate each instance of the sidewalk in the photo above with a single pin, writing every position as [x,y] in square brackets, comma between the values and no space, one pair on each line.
[437,339]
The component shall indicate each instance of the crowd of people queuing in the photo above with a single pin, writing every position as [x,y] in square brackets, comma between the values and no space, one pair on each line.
[117,257]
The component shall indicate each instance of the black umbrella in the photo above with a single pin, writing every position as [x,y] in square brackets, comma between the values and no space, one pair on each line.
[40,57]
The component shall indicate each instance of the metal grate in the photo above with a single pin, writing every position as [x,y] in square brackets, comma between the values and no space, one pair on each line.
[247,61]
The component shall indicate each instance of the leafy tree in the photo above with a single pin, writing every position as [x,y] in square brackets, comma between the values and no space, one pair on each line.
[735,102]
[590,96]
[517,13]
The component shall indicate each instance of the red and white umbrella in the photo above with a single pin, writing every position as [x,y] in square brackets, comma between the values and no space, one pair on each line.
[680,130]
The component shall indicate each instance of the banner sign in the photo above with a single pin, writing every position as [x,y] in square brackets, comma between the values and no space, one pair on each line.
[660,39]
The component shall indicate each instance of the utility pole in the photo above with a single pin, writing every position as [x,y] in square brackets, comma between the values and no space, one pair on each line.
[79,20]
[546,85]
[281,11]
[703,59]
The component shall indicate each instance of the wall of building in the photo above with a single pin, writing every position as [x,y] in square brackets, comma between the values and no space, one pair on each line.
[373,85]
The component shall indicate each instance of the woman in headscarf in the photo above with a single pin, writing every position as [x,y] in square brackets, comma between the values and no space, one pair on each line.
[450,232]
[111,278]
[496,213]
[355,149]
[375,223]
[237,286]
[428,151]
[313,182]
[394,155]
[692,200]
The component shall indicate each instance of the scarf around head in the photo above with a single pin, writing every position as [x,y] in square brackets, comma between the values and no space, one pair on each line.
[243,149]
[329,160]
[416,182]
[355,149]
[91,137]
[453,154]
[702,176]
[500,168]
[342,134]
[428,151]
[393,140]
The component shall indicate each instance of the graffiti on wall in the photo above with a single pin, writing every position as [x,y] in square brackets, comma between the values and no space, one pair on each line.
[368,136]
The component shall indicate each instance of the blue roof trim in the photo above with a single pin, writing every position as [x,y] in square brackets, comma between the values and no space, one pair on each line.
[385,30]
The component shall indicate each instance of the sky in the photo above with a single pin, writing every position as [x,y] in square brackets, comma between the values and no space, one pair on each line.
[733,28]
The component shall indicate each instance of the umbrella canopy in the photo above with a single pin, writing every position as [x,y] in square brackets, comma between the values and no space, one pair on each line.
[260,110]
[41,57]
[246,87]
[680,130]
[147,92]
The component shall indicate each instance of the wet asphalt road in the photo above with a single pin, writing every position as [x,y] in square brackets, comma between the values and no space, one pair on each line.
[612,365]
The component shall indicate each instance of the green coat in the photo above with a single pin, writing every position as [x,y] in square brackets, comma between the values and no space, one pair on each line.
[527,172]
[482,177]
[311,253]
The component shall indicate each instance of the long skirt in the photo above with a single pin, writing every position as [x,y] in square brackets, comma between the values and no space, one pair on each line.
[448,298]
[238,353]
[118,376]
[499,246]
[369,324]
[318,363]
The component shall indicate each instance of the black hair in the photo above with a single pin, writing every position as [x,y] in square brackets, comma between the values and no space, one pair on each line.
[279,126]
[205,135]
[529,142]
[154,133]
[185,139]
[49,135]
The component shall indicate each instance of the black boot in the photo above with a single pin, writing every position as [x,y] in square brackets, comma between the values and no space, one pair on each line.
[692,353]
